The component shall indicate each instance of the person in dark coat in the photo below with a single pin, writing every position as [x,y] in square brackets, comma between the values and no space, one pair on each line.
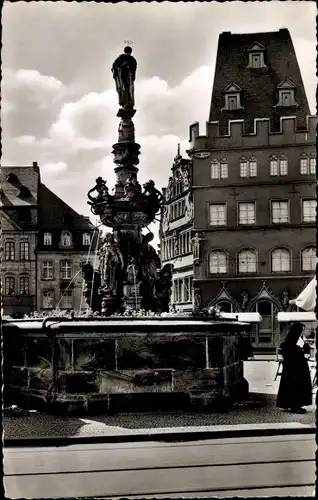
[295,388]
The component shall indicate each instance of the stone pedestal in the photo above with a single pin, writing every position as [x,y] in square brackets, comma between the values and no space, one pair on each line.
[132,297]
[100,364]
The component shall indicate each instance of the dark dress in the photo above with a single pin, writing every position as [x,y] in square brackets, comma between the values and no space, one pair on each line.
[295,388]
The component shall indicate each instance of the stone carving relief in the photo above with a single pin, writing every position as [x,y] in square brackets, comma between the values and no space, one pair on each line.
[196,243]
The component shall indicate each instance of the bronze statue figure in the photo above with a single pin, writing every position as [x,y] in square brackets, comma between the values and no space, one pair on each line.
[124,74]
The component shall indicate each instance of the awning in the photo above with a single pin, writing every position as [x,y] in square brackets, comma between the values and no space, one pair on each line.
[307,298]
[248,317]
[297,316]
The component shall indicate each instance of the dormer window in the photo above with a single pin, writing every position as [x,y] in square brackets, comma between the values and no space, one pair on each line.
[24,192]
[47,239]
[66,239]
[12,178]
[286,93]
[232,97]
[256,56]
[86,239]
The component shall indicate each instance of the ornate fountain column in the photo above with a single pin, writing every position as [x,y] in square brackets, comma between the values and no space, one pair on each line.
[128,264]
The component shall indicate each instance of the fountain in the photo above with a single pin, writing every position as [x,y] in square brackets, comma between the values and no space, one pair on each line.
[93,364]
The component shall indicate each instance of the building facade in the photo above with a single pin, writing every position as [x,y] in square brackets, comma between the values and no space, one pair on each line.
[176,232]
[254,180]
[44,244]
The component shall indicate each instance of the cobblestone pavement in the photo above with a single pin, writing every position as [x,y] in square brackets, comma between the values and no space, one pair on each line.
[263,388]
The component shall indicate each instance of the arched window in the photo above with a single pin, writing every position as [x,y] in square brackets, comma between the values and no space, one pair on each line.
[226,306]
[217,262]
[281,261]
[243,167]
[247,261]
[9,285]
[65,270]
[47,239]
[86,239]
[66,239]
[24,285]
[273,162]
[308,259]
[304,164]
[9,250]
[253,167]
[283,165]
[215,169]
[24,250]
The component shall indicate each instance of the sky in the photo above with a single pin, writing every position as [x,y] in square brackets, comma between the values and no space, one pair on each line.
[59,102]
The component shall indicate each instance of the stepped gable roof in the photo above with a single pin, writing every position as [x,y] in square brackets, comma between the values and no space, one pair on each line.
[19,186]
[259,86]
[54,213]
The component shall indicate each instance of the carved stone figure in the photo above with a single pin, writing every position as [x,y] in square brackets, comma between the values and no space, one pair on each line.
[111,264]
[197,299]
[169,189]
[196,245]
[164,287]
[126,130]
[285,298]
[153,196]
[132,187]
[165,218]
[186,177]
[132,273]
[102,190]
[124,74]
[149,263]
[244,300]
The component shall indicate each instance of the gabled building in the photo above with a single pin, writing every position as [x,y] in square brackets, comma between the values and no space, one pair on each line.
[176,232]
[44,243]
[254,180]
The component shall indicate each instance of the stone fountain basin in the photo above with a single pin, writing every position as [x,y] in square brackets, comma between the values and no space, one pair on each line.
[94,365]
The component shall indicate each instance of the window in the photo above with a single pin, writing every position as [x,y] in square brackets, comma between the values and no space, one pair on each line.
[47,239]
[219,170]
[232,101]
[67,299]
[86,239]
[253,167]
[246,213]
[48,299]
[248,168]
[273,165]
[243,168]
[307,165]
[47,270]
[308,259]
[280,212]
[256,60]
[217,262]
[312,166]
[66,239]
[24,285]
[182,290]
[281,260]
[24,250]
[218,215]
[9,285]
[178,209]
[65,270]
[286,97]
[9,250]
[309,210]
[283,165]
[247,261]
[187,289]
[184,243]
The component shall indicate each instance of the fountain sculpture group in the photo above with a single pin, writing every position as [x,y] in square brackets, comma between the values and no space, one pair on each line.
[91,363]
[130,273]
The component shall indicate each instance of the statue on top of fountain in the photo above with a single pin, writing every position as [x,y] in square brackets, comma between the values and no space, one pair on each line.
[124,74]
[111,265]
